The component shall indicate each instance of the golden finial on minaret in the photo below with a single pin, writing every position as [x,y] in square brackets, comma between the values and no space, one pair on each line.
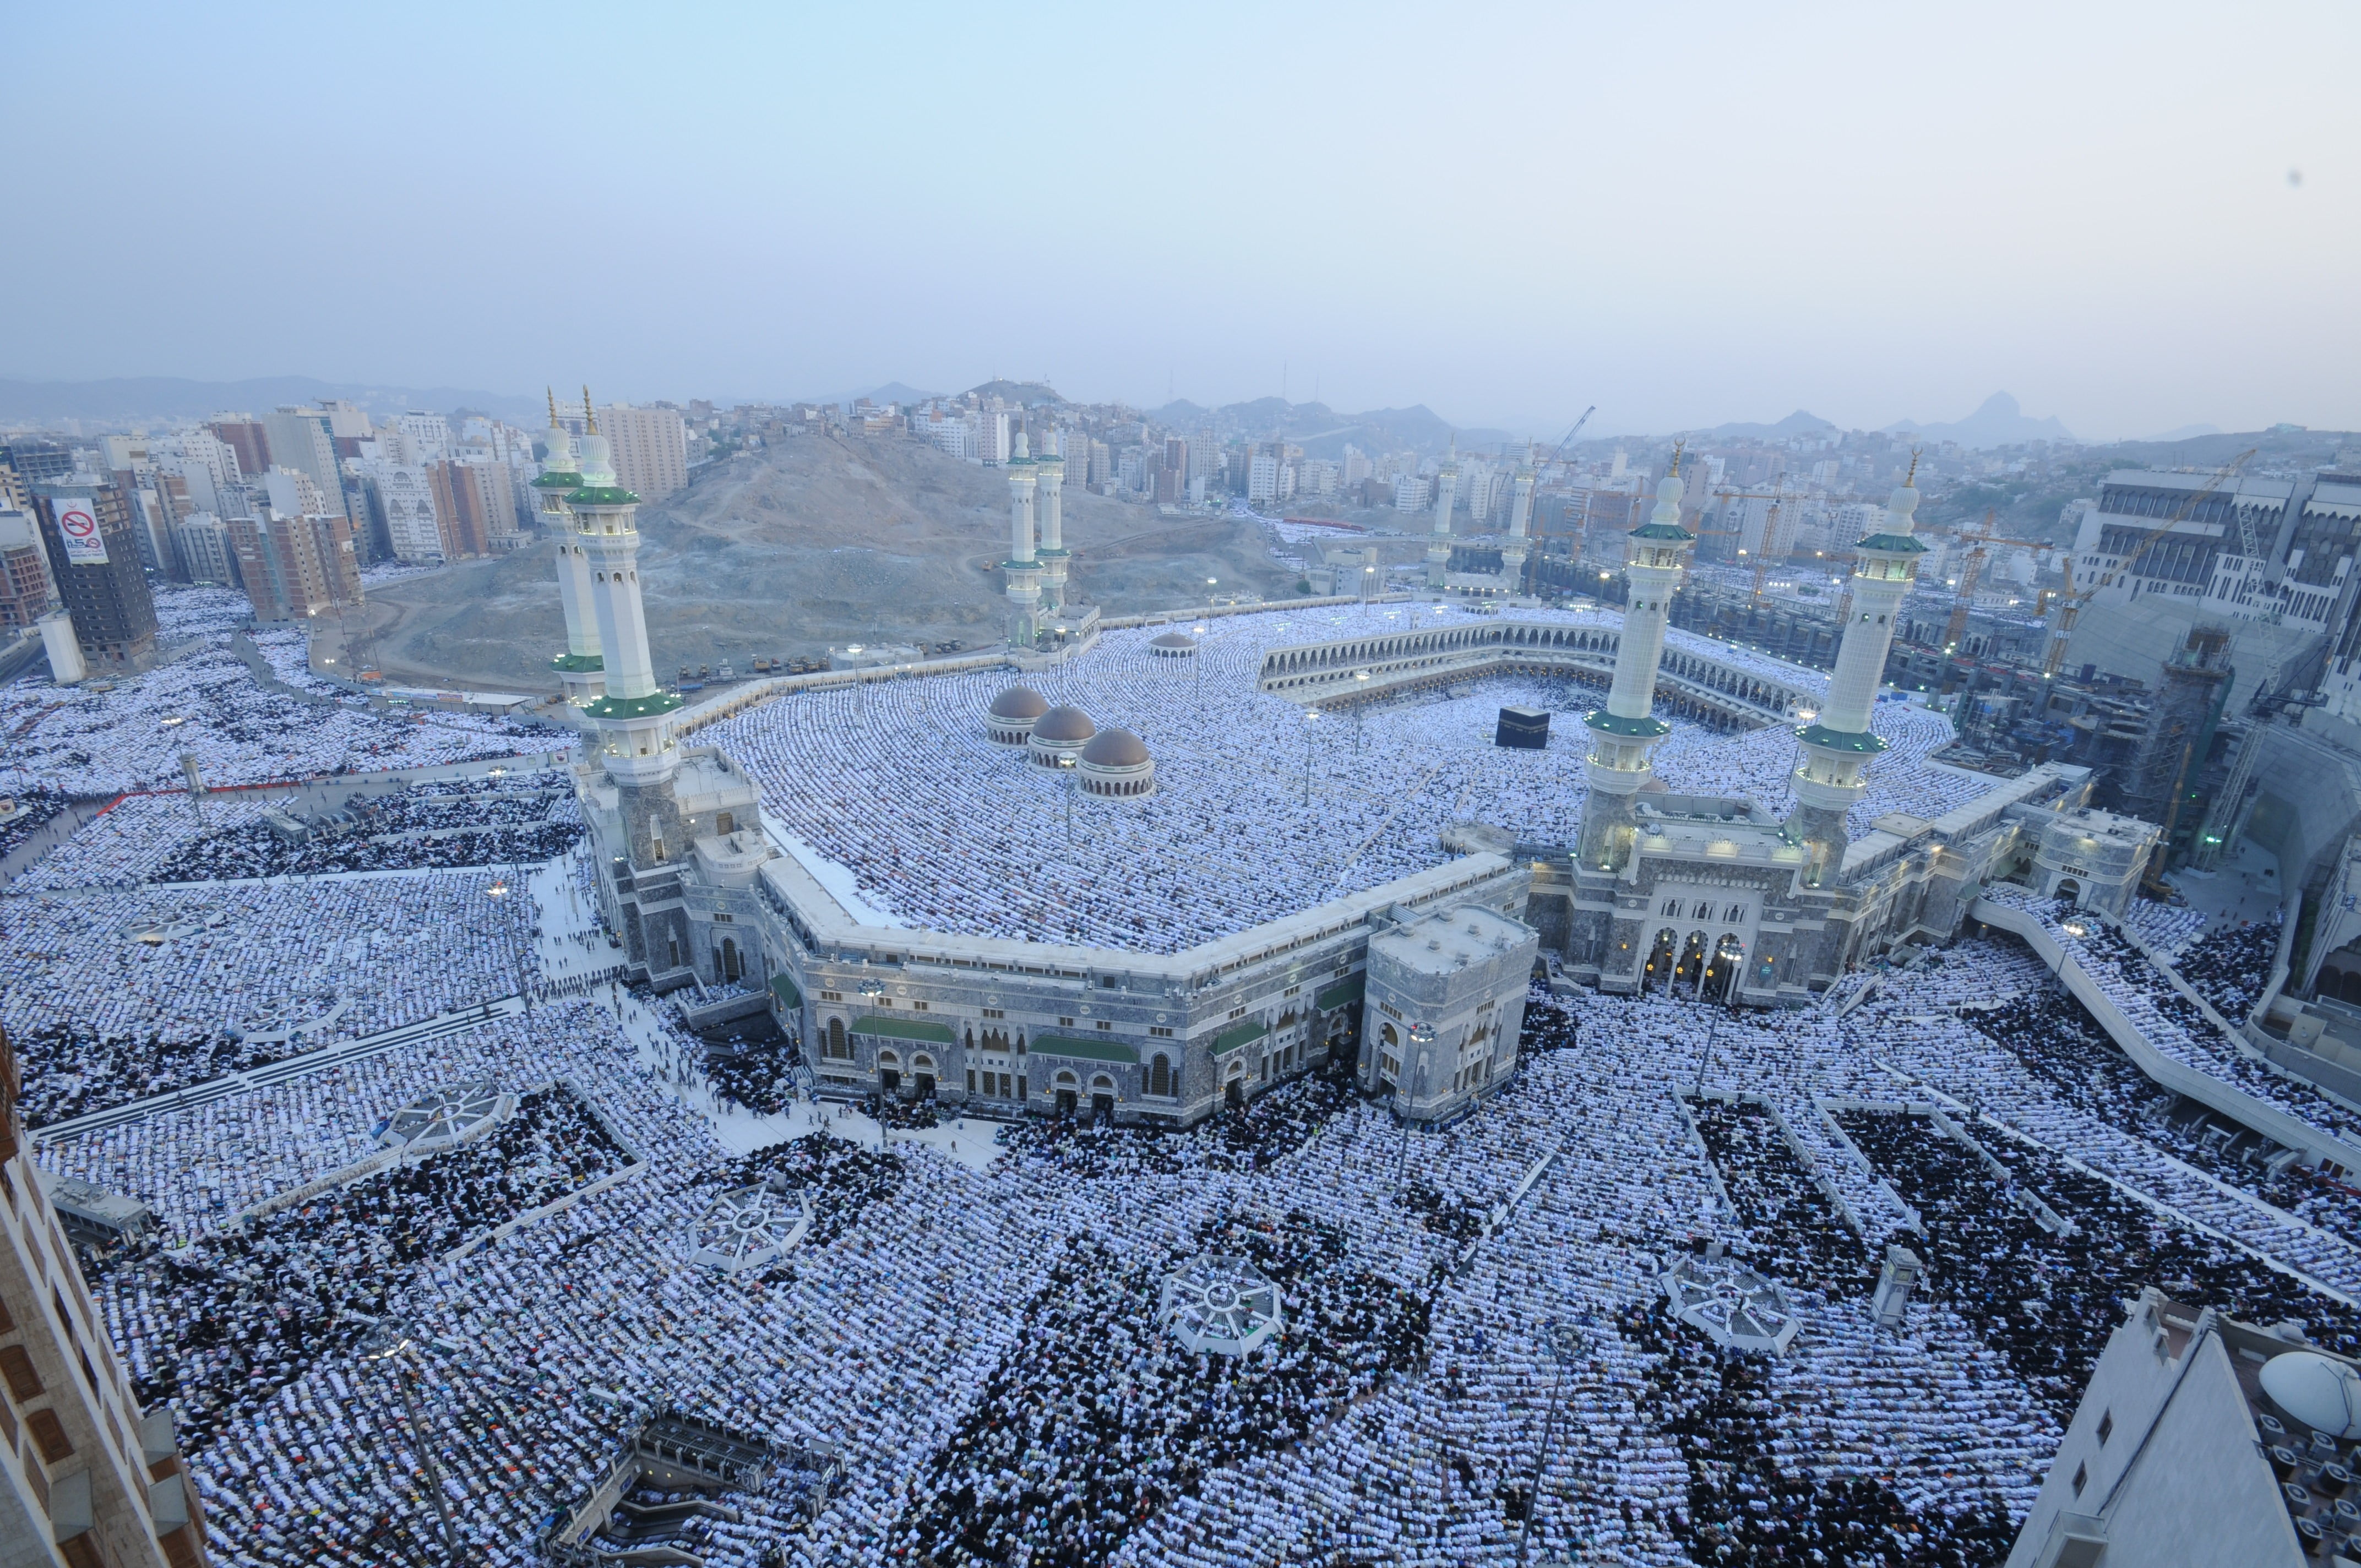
[1679,446]
[589,418]
[553,406]
[1910,479]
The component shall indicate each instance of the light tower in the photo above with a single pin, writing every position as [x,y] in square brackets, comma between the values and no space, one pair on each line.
[1446,491]
[1023,569]
[632,714]
[579,669]
[1624,733]
[1521,517]
[1050,470]
[1840,744]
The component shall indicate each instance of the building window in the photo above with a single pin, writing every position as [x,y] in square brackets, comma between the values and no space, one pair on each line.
[1160,1031]
[1106,1024]
[1159,1076]
[2106,1426]
[2082,1478]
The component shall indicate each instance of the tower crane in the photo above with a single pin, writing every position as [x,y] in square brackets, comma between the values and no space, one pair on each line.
[1762,557]
[1971,572]
[1538,533]
[2070,603]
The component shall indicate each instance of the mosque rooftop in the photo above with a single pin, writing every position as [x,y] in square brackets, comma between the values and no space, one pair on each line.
[896,799]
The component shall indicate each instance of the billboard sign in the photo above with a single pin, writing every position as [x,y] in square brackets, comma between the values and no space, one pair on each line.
[78,525]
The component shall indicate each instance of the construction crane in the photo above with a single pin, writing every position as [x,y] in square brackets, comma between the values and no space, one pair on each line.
[1972,573]
[2070,603]
[1539,532]
[1762,557]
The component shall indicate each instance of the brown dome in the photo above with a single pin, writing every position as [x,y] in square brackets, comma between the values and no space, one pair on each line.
[1019,701]
[1116,748]
[1064,723]
[1174,640]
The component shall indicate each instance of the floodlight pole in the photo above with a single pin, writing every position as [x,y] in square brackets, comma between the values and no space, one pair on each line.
[402,1380]
[1564,1344]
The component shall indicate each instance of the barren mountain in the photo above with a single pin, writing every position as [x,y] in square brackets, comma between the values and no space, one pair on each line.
[814,541]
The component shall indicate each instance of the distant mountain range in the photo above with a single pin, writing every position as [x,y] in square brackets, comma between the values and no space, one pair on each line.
[158,400]
[1998,423]
[1796,423]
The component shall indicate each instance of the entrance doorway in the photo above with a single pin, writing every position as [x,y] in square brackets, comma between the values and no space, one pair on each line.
[890,1079]
[1102,1107]
[926,1086]
[1065,1102]
[1234,1094]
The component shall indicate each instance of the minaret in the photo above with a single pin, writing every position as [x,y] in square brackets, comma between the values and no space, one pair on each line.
[1839,745]
[1049,469]
[1447,491]
[579,668]
[1624,733]
[633,713]
[1521,517]
[1024,570]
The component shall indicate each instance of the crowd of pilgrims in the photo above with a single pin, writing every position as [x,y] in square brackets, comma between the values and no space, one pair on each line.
[35,808]
[1256,811]
[207,704]
[2173,1023]
[982,1343]
[983,1346]
[116,994]
[443,824]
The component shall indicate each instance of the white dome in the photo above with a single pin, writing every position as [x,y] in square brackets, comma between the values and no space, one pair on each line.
[2320,1391]
[597,461]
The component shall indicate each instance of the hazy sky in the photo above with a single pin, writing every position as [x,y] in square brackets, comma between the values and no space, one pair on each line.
[1682,214]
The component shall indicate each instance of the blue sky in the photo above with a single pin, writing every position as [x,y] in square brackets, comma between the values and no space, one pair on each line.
[1684,214]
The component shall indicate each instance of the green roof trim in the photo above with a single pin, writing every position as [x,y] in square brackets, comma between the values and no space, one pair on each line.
[1075,1048]
[1020,566]
[1893,545]
[1239,1035]
[902,1029]
[1840,739]
[1663,530]
[575,663]
[602,496]
[631,707]
[784,988]
[1050,552]
[1606,723]
[1343,991]
[559,478]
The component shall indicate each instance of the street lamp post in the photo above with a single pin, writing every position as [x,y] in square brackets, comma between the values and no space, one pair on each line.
[1310,715]
[1565,1343]
[872,989]
[1706,1059]
[1360,701]
[386,1344]
[1066,768]
[1421,1035]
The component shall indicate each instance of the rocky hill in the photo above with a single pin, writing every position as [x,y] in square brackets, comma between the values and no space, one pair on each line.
[814,541]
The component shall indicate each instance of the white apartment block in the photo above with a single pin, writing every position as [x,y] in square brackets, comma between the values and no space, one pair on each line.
[651,448]
[1410,493]
[407,500]
[426,437]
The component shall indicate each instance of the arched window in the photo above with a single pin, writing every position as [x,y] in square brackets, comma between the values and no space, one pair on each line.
[837,1048]
[730,966]
[1159,1076]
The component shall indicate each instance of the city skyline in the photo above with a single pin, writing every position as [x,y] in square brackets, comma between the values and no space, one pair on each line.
[2135,229]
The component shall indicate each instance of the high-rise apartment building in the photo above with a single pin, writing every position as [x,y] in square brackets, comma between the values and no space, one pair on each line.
[475,507]
[25,595]
[244,435]
[87,1477]
[425,437]
[98,575]
[201,540]
[401,507]
[304,440]
[649,448]
[295,567]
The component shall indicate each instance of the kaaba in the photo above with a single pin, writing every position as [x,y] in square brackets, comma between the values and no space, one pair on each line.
[1527,727]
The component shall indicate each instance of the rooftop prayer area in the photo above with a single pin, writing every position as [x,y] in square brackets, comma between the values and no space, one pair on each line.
[1261,808]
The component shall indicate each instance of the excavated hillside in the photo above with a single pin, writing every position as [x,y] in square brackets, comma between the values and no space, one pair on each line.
[815,542]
